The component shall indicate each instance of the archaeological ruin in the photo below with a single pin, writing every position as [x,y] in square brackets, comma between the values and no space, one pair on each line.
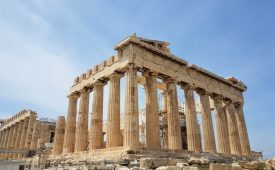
[150,64]
[24,132]
[207,122]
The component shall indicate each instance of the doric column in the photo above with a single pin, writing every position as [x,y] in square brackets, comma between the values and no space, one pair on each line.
[1,137]
[113,119]
[2,140]
[23,135]
[69,138]
[81,136]
[18,137]
[43,135]
[173,120]
[5,141]
[96,138]
[164,119]
[59,135]
[131,115]
[207,124]
[222,132]
[245,145]
[35,134]
[13,139]
[9,140]
[235,145]
[29,132]
[152,113]
[192,127]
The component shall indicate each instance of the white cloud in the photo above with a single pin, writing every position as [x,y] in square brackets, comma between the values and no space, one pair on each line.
[32,68]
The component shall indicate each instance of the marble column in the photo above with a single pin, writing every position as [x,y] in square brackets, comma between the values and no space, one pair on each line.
[7,131]
[13,139]
[23,135]
[245,145]
[192,127]
[59,135]
[29,132]
[81,136]
[131,113]
[18,137]
[207,124]
[35,134]
[69,138]
[222,132]
[113,119]
[235,145]
[152,113]
[96,138]
[9,140]
[164,120]
[3,138]
[173,119]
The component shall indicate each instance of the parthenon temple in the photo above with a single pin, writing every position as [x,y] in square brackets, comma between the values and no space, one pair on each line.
[150,63]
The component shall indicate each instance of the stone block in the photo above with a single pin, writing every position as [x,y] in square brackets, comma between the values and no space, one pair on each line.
[110,60]
[76,80]
[102,65]
[82,77]
[89,73]
[236,166]
[198,160]
[95,69]
[168,168]
[215,166]
[249,165]
[153,162]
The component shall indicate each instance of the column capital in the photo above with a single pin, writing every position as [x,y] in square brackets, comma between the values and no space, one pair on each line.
[73,96]
[202,92]
[186,86]
[227,101]
[131,66]
[238,104]
[148,72]
[170,80]
[115,75]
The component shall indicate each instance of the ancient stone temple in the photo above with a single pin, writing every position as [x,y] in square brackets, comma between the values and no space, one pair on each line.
[151,64]
[24,132]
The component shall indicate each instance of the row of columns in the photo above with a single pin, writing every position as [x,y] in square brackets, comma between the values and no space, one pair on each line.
[21,135]
[231,127]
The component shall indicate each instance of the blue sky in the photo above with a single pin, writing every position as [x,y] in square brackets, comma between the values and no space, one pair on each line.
[45,44]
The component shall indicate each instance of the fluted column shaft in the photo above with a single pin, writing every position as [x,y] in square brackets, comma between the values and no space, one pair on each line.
[245,145]
[59,135]
[173,120]
[69,138]
[164,110]
[96,138]
[23,135]
[113,119]
[35,134]
[235,145]
[9,140]
[5,141]
[81,138]
[131,117]
[18,137]
[222,132]
[192,127]
[3,138]
[152,114]
[29,132]
[208,131]
[13,139]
